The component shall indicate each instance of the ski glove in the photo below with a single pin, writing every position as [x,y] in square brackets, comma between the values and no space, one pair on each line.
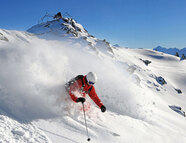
[80,99]
[103,108]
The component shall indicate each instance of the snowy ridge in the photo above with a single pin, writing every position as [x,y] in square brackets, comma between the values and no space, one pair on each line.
[35,106]
[62,27]
[66,28]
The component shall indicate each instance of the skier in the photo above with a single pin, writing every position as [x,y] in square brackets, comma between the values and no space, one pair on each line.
[84,85]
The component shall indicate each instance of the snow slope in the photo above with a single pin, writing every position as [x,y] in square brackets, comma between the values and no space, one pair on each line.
[34,106]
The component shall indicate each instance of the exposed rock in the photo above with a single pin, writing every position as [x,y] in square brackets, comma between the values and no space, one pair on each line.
[177,109]
[2,37]
[183,57]
[161,80]
[147,62]
[58,15]
[178,90]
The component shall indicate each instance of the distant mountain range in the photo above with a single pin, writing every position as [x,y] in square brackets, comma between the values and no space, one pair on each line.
[171,51]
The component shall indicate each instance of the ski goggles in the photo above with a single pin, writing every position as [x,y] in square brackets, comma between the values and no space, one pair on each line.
[90,82]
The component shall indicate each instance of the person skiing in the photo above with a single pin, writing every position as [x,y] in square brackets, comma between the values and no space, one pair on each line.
[84,85]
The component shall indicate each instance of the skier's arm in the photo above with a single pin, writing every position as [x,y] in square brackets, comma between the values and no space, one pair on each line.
[73,87]
[71,92]
[74,98]
[95,98]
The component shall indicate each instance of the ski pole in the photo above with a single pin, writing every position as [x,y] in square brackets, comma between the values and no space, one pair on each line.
[86,123]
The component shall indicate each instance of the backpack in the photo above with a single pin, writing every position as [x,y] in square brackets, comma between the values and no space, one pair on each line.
[67,85]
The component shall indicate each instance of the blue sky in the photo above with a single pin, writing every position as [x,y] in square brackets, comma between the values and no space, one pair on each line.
[129,23]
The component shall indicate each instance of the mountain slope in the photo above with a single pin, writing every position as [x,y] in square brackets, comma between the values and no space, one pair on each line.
[32,95]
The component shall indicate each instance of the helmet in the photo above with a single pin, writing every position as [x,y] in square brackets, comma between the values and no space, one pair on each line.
[91,78]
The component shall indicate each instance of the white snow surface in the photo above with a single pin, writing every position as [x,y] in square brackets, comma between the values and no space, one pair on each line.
[34,106]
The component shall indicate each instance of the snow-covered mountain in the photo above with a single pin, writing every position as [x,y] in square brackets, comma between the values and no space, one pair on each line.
[142,89]
[171,51]
[66,28]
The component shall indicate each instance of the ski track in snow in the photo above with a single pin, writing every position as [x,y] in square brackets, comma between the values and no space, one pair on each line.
[35,107]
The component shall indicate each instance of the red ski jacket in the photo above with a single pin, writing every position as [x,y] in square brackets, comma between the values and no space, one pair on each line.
[80,84]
